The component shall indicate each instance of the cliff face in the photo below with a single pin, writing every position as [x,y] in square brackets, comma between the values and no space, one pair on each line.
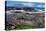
[37,20]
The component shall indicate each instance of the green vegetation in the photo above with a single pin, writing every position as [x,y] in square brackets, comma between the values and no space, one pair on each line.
[23,26]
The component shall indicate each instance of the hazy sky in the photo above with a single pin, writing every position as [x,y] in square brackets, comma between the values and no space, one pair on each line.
[22,4]
[29,0]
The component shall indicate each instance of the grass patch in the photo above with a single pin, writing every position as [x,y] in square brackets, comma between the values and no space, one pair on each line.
[23,26]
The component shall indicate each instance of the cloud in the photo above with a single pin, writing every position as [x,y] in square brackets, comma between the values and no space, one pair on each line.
[40,6]
[28,4]
[22,4]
